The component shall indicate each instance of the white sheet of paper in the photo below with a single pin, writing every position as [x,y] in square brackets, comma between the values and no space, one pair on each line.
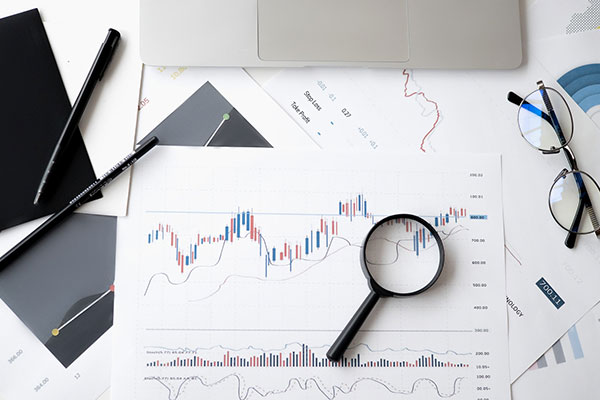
[76,31]
[165,94]
[549,18]
[570,369]
[359,108]
[235,299]
[30,371]
[399,109]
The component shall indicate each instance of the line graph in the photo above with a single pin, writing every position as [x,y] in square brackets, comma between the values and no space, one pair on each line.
[297,330]
[436,109]
[363,109]
[357,346]
[312,263]
[346,244]
[307,384]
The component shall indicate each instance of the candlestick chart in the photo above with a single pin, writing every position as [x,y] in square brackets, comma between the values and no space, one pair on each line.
[288,255]
[243,273]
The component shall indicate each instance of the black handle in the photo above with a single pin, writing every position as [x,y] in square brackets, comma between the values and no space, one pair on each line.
[343,341]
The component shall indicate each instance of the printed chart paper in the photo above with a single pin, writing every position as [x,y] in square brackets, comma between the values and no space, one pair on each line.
[32,371]
[467,111]
[577,70]
[167,88]
[29,369]
[237,269]
[572,360]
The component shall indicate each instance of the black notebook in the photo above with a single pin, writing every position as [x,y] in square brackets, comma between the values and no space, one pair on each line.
[34,107]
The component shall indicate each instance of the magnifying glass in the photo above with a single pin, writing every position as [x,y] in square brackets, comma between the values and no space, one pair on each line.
[402,255]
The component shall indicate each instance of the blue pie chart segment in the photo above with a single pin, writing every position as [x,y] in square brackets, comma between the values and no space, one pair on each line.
[583,85]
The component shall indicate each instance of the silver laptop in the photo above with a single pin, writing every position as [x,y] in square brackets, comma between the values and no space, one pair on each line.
[370,33]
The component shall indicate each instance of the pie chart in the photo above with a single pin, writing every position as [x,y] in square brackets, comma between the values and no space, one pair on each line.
[583,85]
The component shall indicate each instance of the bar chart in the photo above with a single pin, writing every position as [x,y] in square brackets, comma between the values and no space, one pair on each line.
[568,348]
[300,355]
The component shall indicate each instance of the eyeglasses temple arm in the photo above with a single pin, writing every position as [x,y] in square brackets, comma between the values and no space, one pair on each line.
[514,98]
[571,235]
[554,119]
[582,206]
[585,203]
[518,101]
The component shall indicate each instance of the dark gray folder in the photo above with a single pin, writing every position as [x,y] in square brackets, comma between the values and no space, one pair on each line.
[33,110]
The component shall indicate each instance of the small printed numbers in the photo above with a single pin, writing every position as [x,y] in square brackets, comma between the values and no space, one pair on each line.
[40,385]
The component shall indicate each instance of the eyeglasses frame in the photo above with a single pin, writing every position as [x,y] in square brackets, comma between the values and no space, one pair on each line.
[584,199]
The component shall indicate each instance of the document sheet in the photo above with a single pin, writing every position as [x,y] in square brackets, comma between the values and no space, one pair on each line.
[457,111]
[77,299]
[237,269]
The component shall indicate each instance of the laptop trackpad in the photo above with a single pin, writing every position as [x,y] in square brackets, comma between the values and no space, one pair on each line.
[333,30]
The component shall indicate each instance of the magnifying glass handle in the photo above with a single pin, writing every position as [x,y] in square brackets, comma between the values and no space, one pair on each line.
[343,341]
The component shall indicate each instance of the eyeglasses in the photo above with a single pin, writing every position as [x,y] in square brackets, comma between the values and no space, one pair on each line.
[546,123]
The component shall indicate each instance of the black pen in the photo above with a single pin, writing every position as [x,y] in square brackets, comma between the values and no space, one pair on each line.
[94,76]
[80,199]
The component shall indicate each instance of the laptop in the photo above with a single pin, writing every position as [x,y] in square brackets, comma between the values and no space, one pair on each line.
[477,34]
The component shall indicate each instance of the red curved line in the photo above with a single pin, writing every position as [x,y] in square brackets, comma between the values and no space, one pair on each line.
[422,94]
[513,255]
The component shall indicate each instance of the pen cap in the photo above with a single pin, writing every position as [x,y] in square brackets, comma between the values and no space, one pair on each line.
[108,50]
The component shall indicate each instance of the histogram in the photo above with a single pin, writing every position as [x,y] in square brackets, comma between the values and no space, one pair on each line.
[304,357]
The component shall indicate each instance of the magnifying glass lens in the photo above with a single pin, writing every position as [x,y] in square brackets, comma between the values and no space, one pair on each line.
[402,255]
